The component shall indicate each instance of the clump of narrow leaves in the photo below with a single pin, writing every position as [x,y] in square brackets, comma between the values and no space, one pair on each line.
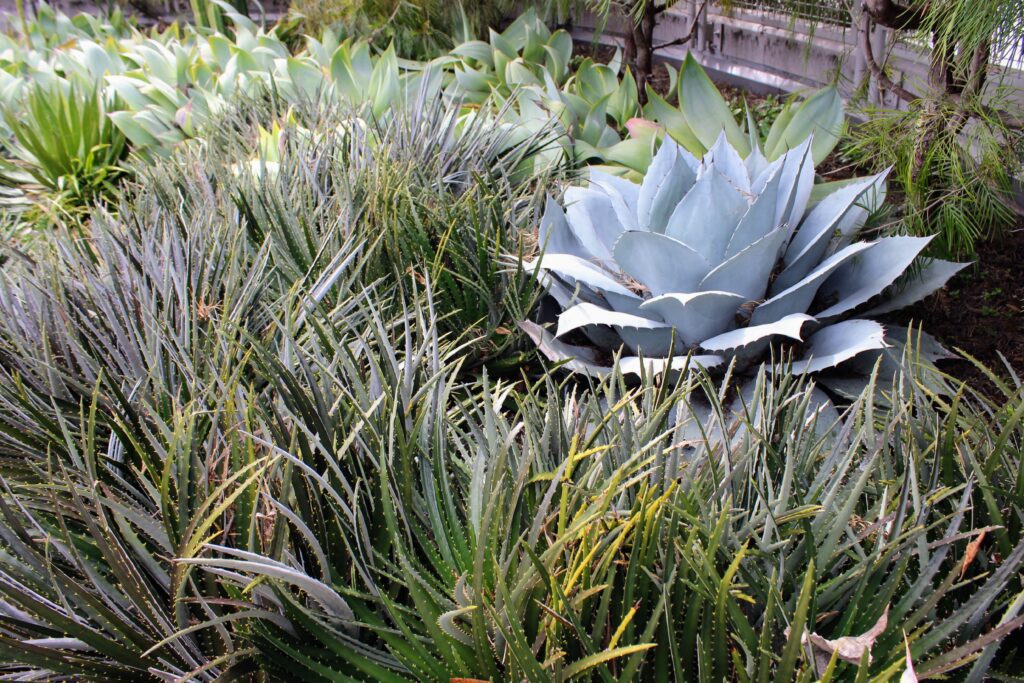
[238,436]
[64,146]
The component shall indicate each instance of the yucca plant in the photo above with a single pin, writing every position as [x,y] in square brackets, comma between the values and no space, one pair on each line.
[616,534]
[722,257]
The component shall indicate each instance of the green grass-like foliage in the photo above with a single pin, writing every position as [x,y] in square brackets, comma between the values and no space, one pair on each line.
[64,143]
[962,188]
[238,435]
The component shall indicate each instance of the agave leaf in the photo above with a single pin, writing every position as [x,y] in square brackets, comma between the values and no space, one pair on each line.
[634,155]
[584,314]
[747,272]
[758,220]
[795,186]
[579,270]
[307,79]
[660,263]
[626,189]
[821,116]
[724,159]
[833,344]
[593,220]
[858,281]
[773,147]
[384,81]
[669,178]
[623,195]
[707,216]
[657,109]
[584,359]
[559,49]
[518,74]
[705,109]
[757,164]
[633,365]
[623,103]
[800,296]
[696,316]
[933,276]
[811,240]
[789,326]
[477,50]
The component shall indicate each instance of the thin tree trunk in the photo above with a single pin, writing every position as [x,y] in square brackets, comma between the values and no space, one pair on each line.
[644,37]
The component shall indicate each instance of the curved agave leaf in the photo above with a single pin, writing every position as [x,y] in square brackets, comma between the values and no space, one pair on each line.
[834,344]
[626,189]
[800,296]
[623,195]
[858,281]
[820,115]
[757,164]
[660,263]
[554,233]
[726,160]
[674,121]
[707,215]
[585,314]
[789,326]
[696,316]
[933,276]
[747,272]
[706,111]
[632,365]
[584,360]
[758,221]
[811,240]
[579,270]
[671,175]
[594,220]
[795,185]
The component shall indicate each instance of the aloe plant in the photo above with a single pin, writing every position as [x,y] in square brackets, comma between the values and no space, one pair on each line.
[722,257]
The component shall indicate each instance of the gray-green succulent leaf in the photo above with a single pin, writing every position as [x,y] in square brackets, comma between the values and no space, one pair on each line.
[720,258]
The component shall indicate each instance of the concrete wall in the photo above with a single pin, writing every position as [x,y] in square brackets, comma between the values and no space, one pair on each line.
[767,52]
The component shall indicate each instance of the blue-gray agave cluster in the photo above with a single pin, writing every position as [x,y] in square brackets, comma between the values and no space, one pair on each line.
[715,258]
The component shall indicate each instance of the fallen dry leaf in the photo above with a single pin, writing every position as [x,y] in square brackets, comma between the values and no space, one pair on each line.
[972,552]
[848,648]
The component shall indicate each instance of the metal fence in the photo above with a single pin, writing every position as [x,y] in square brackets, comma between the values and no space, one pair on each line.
[835,12]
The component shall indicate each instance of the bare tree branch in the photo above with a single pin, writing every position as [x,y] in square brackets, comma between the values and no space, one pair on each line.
[691,34]
[877,71]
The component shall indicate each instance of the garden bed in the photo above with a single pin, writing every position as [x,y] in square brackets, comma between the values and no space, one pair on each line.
[979,311]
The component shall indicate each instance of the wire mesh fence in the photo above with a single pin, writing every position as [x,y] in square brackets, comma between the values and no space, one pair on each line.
[821,11]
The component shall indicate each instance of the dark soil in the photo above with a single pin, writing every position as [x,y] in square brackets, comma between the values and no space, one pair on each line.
[979,312]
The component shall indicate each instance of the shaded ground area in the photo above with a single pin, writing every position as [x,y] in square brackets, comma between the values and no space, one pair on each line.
[980,310]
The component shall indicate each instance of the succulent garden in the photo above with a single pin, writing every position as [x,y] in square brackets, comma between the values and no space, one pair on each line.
[410,341]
